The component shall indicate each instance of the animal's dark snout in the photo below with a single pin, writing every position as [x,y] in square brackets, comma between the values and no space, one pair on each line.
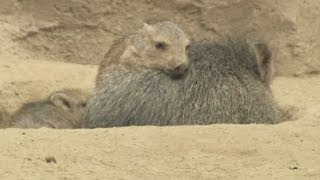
[180,71]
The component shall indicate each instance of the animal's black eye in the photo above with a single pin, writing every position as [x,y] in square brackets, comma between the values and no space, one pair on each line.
[66,103]
[83,104]
[187,49]
[160,45]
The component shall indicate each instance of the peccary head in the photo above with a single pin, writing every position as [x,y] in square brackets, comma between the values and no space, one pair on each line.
[160,46]
[62,109]
[69,100]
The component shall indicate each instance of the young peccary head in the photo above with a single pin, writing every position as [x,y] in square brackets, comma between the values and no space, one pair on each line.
[62,109]
[162,46]
[70,100]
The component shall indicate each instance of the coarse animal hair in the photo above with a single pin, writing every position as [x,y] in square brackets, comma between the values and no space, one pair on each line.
[225,84]
[62,109]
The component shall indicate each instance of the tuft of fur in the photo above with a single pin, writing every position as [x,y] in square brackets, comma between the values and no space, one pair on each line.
[161,46]
[226,84]
[5,118]
[62,109]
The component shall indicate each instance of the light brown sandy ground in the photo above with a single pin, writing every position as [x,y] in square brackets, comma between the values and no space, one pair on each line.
[286,151]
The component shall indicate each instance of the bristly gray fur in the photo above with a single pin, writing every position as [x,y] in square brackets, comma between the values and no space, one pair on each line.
[224,85]
[62,109]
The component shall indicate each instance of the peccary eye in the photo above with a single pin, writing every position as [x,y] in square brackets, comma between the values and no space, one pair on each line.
[160,46]
[83,105]
[187,49]
[67,104]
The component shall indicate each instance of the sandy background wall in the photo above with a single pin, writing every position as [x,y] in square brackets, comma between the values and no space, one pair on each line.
[68,30]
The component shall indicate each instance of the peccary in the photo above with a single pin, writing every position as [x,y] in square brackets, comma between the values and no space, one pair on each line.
[62,109]
[228,82]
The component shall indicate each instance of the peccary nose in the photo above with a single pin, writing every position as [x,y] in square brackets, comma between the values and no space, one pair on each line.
[180,71]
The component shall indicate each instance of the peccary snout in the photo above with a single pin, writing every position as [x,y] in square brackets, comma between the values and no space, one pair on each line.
[179,71]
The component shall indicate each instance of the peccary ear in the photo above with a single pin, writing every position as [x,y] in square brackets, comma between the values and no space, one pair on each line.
[61,100]
[148,28]
[264,62]
[130,51]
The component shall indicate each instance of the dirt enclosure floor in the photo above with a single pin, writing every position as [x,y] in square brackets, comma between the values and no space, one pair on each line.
[290,150]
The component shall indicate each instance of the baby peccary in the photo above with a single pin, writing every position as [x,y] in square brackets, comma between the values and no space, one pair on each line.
[62,109]
[4,118]
[160,47]
[226,83]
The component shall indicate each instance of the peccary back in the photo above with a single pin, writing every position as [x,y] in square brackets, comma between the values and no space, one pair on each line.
[224,85]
